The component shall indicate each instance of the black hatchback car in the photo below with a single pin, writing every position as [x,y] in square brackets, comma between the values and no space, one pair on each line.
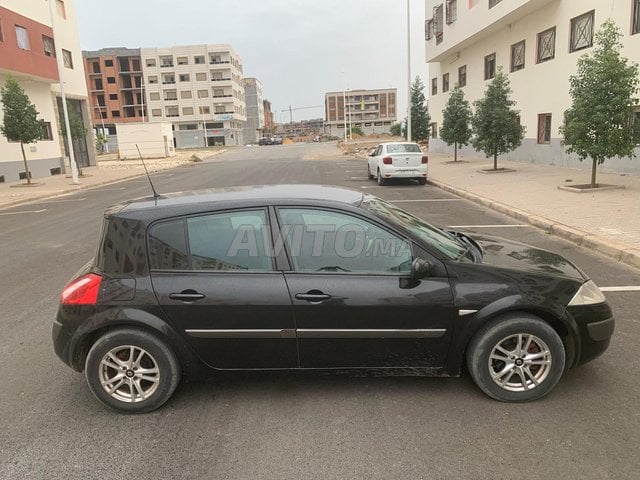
[310,277]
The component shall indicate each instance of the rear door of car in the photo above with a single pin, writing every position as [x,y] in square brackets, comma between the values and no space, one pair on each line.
[216,283]
[354,302]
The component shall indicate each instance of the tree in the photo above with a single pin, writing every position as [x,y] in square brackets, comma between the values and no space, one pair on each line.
[456,119]
[20,122]
[420,118]
[356,131]
[496,123]
[396,129]
[600,122]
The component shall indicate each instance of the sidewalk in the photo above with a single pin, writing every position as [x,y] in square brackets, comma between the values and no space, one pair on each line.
[607,221]
[106,172]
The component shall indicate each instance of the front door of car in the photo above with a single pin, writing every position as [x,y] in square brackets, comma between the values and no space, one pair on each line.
[217,286]
[354,301]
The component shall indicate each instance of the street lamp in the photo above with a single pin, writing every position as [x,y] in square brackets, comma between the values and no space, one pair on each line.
[408,70]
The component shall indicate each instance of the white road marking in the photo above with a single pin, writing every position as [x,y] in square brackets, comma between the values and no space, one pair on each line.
[488,226]
[358,178]
[428,200]
[621,289]
[103,189]
[24,211]
[69,200]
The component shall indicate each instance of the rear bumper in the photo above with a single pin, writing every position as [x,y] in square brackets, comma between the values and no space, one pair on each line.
[389,171]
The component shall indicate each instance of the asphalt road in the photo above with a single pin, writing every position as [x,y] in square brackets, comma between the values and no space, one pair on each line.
[294,426]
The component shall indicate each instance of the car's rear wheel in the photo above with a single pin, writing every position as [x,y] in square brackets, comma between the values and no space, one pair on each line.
[381,181]
[132,371]
[516,358]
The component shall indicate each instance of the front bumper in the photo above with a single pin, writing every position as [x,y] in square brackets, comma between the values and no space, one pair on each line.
[596,325]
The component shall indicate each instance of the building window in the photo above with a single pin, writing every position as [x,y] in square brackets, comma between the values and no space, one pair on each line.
[438,21]
[434,86]
[490,66]
[113,96]
[635,26]
[433,129]
[49,46]
[546,45]
[187,110]
[428,29]
[60,8]
[108,63]
[150,62]
[170,95]
[452,11]
[582,31]
[153,79]
[1,36]
[154,96]
[109,79]
[544,128]
[205,110]
[68,60]
[199,60]
[46,131]
[185,94]
[172,112]
[203,93]
[23,37]
[156,112]
[183,60]
[462,76]
[517,56]
[184,77]
[445,82]
[493,3]
[201,76]
[115,113]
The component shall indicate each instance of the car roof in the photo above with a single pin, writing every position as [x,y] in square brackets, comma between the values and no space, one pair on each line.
[234,197]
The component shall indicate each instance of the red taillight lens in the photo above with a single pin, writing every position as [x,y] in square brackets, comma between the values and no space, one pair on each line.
[82,291]
[425,159]
[387,160]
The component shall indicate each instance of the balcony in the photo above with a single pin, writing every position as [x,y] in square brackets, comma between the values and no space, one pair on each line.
[221,62]
[220,79]
[166,65]
[222,96]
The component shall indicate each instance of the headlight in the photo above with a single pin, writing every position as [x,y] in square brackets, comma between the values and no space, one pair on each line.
[588,294]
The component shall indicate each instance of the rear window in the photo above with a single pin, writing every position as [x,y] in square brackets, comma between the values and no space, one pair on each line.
[403,148]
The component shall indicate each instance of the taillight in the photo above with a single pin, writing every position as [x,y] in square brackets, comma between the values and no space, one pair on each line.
[425,159]
[387,160]
[82,291]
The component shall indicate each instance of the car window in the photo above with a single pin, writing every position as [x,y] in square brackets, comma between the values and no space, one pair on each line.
[328,241]
[378,150]
[403,148]
[229,241]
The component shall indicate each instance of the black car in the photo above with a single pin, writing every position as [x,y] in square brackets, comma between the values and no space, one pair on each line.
[265,141]
[311,277]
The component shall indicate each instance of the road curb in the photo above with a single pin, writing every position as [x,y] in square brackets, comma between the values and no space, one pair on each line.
[619,251]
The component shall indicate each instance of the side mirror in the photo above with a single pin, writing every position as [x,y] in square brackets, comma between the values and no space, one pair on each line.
[420,268]
[371,153]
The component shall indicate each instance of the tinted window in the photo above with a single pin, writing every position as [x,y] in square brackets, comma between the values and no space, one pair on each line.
[403,148]
[328,241]
[168,246]
[229,241]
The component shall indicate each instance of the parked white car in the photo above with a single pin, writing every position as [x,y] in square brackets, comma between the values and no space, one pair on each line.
[398,160]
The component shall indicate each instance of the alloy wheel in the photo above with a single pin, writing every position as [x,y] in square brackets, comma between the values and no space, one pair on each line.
[129,374]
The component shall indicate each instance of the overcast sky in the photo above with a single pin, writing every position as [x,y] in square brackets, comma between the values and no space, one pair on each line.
[298,49]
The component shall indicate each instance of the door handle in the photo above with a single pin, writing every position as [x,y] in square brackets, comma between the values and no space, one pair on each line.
[314,296]
[186,296]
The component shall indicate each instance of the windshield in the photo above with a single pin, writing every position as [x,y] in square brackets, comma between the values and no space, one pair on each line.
[430,235]
[403,148]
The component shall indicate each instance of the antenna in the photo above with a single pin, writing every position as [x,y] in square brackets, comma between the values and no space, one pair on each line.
[155,194]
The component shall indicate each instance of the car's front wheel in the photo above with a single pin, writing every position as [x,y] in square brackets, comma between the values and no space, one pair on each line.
[516,358]
[131,370]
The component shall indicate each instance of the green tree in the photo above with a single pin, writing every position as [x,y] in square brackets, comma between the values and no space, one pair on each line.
[495,123]
[356,131]
[396,129]
[76,125]
[456,120]
[20,122]
[420,118]
[600,122]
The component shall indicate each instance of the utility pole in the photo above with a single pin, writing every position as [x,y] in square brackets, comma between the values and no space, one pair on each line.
[106,145]
[290,114]
[344,113]
[409,70]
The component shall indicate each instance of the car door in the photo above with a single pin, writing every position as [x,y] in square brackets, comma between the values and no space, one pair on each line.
[354,302]
[216,283]
[374,159]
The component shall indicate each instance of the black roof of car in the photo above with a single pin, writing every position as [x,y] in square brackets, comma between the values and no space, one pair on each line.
[245,196]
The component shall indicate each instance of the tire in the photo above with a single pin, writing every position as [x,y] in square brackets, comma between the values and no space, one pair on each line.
[422,181]
[371,177]
[381,181]
[499,339]
[109,360]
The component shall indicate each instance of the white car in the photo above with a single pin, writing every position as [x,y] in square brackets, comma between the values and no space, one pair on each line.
[398,160]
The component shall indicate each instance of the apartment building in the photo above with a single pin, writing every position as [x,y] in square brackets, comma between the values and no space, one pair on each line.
[269,124]
[373,111]
[537,43]
[115,83]
[254,126]
[28,52]
[199,90]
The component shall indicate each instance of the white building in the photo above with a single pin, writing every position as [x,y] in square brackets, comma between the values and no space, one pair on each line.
[254,126]
[537,43]
[28,53]
[197,88]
